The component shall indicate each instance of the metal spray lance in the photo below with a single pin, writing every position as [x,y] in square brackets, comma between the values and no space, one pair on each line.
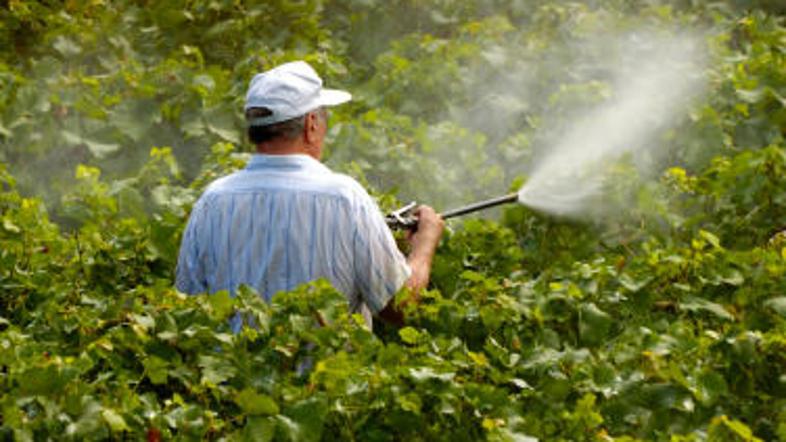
[402,219]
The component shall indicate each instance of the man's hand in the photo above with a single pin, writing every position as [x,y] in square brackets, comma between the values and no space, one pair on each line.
[428,232]
[423,242]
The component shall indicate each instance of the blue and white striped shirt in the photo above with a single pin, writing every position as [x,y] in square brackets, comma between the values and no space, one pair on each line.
[285,220]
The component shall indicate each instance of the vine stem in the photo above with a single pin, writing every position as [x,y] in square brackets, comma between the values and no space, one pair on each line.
[79,254]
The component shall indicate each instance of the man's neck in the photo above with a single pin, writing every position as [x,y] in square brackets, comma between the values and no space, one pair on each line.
[284,147]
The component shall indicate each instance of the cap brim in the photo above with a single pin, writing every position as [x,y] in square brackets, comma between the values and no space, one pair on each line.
[333,97]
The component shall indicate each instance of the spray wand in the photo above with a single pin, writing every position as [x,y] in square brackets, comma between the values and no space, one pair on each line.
[402,219]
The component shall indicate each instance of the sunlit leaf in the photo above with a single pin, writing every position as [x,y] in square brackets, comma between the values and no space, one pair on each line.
[114,420]
[695,304]
[778,305]
[98,149]
[66,47]
[259,429]
[252,402]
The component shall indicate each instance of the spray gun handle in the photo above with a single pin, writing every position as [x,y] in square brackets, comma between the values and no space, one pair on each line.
[402,219]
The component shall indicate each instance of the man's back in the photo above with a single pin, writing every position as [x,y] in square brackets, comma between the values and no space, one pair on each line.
[286,220]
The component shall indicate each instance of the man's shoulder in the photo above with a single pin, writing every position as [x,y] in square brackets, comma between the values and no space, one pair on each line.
[354,191]
[222,183]
[329,184]
[348,184]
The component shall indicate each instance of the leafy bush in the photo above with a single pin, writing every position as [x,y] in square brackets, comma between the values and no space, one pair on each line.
[665,319]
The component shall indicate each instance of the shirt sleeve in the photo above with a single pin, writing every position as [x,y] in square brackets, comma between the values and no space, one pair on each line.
[190,273]
[381,270]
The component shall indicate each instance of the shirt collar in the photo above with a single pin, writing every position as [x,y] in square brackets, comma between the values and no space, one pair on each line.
[303,162]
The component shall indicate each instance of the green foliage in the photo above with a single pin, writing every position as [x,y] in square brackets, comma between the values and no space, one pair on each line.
[664,320]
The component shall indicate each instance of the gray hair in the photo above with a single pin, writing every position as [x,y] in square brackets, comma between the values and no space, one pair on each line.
[289,129]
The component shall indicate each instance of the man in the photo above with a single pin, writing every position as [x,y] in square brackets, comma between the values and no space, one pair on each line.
[286,219]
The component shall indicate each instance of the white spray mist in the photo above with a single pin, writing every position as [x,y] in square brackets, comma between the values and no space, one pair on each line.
[653,87]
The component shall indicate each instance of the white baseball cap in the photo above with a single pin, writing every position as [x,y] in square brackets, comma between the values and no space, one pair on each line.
[288,91]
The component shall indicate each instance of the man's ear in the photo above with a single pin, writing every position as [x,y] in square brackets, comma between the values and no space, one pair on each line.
[311,126]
